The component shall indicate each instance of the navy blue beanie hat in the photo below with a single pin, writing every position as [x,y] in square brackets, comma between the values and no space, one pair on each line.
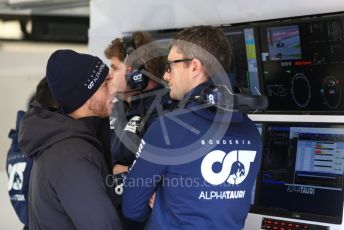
[74,77]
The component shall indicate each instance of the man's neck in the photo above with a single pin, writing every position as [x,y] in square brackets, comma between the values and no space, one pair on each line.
[198,82]
[80,113]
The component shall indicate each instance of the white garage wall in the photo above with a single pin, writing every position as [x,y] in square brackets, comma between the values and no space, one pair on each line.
[22,66]
[109,19]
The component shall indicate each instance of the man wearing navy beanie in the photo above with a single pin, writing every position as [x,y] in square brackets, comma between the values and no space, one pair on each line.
[73,78]
[67,185]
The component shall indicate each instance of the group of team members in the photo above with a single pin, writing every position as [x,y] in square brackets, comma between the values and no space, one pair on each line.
[164,159]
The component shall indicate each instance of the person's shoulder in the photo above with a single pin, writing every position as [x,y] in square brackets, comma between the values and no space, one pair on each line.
[172,129]
[246,128]
[167,120]
[73,149]
[69,155]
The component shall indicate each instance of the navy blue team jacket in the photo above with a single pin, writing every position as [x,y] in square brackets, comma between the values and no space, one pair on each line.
[18,168]
[201,163]
[130,123]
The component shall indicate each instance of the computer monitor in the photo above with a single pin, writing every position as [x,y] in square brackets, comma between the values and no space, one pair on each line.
[260,127]
[244,66]
[303,65]
[301,175]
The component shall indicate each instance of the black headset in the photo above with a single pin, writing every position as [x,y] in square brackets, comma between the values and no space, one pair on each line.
[221,97]
[136,79]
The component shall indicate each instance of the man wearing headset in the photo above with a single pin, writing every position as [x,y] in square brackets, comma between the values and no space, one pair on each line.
[201,161]
[139,95]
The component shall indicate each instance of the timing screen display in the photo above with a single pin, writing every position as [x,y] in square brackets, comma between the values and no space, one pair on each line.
[304,165]
[303,65]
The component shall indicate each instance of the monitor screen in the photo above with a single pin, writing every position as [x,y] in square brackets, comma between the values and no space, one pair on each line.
[284,42]
[303,65]
[244,59]
[301,175]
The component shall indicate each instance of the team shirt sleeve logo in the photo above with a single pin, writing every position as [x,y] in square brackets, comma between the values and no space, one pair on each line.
[133,124]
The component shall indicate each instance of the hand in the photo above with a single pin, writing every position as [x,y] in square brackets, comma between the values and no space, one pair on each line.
[151,200]
[118,168]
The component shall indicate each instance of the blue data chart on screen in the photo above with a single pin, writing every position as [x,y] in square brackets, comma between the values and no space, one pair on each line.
[319,153]
[319,158]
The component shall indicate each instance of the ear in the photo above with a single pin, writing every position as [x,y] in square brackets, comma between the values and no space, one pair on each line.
[129,69]
[196,67]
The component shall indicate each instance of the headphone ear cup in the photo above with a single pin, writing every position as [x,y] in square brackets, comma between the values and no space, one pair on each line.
[211,95]
[137,80]
[128,44]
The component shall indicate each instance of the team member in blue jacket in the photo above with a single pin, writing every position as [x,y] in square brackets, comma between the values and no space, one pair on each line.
[18,165]
[200,161]
[18,170]
[136,76]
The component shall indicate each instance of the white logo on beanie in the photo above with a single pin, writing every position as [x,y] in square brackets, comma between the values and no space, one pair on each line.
[92,80]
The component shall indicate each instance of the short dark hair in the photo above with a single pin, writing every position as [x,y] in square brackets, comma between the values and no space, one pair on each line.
[44,96]
[211,39]
[116,48]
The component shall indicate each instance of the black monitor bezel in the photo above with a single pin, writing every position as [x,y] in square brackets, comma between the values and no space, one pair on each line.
[262,134]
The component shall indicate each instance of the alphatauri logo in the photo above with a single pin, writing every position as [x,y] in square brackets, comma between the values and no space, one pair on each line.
[235,166]
[16,176]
